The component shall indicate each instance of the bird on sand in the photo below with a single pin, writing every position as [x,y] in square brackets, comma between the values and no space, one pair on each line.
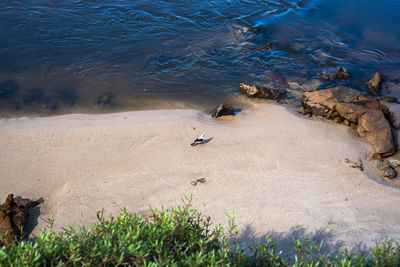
[199,140]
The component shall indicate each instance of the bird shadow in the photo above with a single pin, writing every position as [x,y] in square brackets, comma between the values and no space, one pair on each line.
[206,141]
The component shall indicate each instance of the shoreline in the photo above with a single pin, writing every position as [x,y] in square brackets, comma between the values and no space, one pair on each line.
[266,163]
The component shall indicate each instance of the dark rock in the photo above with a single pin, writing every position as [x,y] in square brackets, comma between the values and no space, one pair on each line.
[375,84]
[376,129]
[389,172]
[335,74]
[223,110]
[104,99]
[8,88]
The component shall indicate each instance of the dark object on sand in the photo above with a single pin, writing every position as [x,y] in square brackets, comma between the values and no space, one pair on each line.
[195,182]
[375,84]
[352,164]
[199,140]
[223,110]
[13,218]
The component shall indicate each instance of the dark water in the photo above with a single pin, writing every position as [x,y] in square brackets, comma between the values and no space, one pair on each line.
[61,55]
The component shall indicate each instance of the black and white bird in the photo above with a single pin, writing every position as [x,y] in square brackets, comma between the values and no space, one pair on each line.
[199,140]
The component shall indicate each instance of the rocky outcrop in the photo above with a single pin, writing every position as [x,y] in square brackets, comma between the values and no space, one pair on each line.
[13,218]
[223,110]
[335,74]
[375,84]
[376,129]
[348,106]
[262,92]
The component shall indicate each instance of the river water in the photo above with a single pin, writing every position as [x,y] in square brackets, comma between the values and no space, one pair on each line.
[59,56]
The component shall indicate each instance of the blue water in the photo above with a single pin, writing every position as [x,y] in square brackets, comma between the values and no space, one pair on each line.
[60,55]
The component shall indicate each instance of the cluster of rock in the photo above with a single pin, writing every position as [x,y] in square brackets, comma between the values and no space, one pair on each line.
[13,218]
[367,115]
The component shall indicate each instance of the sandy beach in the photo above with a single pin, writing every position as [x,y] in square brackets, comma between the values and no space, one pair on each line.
[282,173]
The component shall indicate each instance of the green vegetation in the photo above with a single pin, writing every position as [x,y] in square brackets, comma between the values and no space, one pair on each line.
[177,236]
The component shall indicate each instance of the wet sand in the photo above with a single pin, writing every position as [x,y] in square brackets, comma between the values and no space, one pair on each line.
[281,173]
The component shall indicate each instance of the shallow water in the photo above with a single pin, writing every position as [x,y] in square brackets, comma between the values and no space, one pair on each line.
[61,55]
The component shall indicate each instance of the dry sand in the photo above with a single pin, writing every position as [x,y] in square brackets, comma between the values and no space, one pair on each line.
[282,173]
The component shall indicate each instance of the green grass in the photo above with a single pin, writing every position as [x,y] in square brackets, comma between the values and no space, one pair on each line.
[171,237]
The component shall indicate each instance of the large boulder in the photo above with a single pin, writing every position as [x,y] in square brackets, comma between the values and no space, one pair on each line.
[351,112]
[376,129]
[323,102]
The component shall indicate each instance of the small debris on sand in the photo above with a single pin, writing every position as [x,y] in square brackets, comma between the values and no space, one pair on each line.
[195,182]
[352,164]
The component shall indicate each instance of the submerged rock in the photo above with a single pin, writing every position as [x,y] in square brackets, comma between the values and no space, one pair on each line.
[375,84]
[104,99]
[8,88]
[223,110]
[376,129]
[335,74]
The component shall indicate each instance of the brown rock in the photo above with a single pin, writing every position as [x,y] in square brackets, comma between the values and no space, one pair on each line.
[375,84]
[346,122]
[376,129]
[7,235]
[351,112]
[248,90]
[335,74]
[396,120]
[262,92]
[323,102]
[13,218]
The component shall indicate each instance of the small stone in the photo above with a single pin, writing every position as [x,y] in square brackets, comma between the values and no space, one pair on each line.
[394,160]
[338,74]
[341,73]
[382,164]
[223,110]
[389,172]
[375,84]
[346,122]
